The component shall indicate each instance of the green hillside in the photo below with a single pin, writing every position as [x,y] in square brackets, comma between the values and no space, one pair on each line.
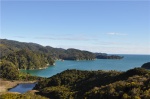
[9,46]
[77,84]
[34,56]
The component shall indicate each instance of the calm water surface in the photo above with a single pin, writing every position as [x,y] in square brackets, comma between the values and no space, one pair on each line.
[22,88]
[128,62]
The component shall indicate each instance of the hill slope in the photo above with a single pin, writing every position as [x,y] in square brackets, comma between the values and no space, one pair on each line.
[10,46]
[77,84]
[34,56]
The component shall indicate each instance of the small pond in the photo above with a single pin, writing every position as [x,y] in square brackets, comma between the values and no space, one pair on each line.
[22,88]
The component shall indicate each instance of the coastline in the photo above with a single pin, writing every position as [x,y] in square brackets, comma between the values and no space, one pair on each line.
[39,68]
[47,65]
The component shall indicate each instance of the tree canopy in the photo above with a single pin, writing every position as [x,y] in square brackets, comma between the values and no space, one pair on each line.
[26,59]
[146,65]
[10,46]
[78,84]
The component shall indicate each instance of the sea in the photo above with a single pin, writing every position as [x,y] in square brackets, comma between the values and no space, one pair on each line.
[128,62]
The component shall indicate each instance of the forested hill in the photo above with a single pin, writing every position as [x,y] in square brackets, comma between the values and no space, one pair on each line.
[34,56]
[78,84]
[11,46]
[27,59]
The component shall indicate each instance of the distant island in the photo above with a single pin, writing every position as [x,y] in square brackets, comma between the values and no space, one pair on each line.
[34,56]
[146,65]
[105,56]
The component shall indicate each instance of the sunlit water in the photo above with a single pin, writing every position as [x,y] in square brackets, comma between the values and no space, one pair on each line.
[128,62]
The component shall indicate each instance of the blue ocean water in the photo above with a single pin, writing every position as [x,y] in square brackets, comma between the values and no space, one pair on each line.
[128,62]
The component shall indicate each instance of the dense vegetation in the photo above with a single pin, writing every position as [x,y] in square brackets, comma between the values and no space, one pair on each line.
[146,65]
[10,46]
[70,84]
[26,59]
[34,56]
[9,71]
[77,84]
[105,56]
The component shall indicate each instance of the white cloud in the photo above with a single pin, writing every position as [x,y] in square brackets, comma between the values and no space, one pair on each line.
[114,33]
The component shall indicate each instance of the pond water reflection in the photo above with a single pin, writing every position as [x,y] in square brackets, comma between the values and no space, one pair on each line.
[22,88]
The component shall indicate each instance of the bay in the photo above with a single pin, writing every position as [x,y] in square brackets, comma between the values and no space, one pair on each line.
[128,62]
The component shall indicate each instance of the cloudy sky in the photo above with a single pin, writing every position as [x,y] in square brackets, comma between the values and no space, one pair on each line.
[114,27]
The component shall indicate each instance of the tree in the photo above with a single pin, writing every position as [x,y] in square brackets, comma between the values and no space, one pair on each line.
[8,70]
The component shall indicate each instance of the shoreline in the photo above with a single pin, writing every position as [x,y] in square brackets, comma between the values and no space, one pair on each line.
[48,65]
[5,85]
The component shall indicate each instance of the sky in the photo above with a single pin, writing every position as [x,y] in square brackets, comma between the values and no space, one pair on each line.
[111,26]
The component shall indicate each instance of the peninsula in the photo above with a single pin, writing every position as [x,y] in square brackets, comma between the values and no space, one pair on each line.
[34,56]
